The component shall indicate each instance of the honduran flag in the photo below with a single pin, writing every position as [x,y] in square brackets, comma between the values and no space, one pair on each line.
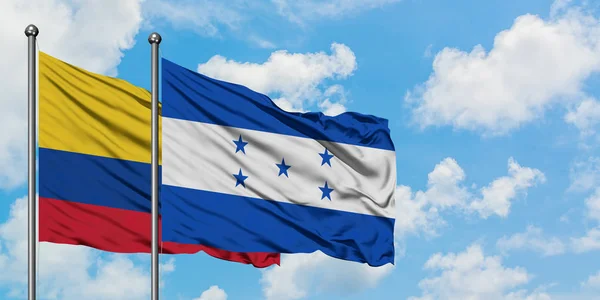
[243,175]
[94,165]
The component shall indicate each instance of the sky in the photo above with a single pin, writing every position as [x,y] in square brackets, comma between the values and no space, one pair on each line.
[493,107]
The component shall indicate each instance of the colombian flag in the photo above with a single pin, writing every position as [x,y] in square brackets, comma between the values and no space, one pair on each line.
[94,165]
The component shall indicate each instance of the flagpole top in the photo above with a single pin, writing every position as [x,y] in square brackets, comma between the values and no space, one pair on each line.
[31,30]
[154,38]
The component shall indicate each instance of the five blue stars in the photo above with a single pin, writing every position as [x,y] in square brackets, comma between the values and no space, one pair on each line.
[239,145]
[283,168]
[326,157]
[326,191]
[240,179]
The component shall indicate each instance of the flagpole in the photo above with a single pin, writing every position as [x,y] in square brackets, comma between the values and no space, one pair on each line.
[31,32]
[154,39]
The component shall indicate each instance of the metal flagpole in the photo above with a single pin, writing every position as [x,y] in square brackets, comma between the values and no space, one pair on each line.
[31,32]
[154,39]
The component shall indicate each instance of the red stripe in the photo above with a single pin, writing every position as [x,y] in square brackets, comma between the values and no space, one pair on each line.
[121,231]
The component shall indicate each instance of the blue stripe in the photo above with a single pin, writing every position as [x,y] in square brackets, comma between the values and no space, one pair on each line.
[243,224]
[188,95]
[94,180]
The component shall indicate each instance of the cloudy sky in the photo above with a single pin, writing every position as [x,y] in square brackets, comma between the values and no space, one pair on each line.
[494,108]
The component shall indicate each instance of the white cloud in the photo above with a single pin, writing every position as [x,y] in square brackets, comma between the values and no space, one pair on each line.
[332,109]
[592,204]
[559,6]
[69,30]
[472,275]
[415,214]
[592,282]
[295,77]
[288,106]
[585,175]
[299,275]
[419,212]
[261,42]
[533,65]
[201,16]
[534,240]
[589,242]
[586,116]
[215,18]
[168,266]
[213,293]
[333,104]
[498,195]
[525,295]
[67,271]
[446,190]
[301,11]
[427,53]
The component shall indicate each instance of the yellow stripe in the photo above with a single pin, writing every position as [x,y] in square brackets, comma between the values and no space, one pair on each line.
[88,113]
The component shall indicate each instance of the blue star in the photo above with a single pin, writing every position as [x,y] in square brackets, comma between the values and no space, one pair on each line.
[283,168]
[326,157]
[240,179]
[239,145]
[326,191]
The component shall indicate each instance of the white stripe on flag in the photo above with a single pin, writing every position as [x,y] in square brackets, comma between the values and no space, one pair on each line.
[202,156]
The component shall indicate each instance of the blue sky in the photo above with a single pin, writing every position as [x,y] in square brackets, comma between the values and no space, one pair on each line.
[493,108]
